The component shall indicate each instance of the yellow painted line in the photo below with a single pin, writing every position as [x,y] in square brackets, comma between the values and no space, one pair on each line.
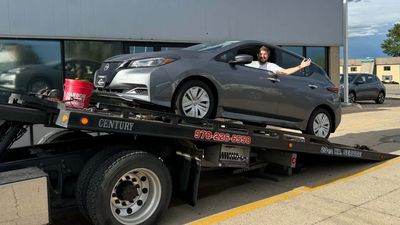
[216,218]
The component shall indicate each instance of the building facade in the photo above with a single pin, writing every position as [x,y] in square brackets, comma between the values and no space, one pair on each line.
[387,68]
[44,41]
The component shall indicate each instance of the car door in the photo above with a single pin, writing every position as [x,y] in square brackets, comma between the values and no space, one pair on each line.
[361,87]
[299,90]
[373,86]
[247,90]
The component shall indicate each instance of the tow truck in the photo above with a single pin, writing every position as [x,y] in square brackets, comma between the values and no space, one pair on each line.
[122,165]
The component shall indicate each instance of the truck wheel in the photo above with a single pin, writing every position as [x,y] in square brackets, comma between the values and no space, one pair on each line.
[84,177]
[131,187]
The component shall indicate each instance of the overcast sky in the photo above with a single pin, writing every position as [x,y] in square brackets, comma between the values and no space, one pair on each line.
[368,24]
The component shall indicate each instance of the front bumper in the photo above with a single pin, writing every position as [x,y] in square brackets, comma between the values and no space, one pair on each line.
[129,84]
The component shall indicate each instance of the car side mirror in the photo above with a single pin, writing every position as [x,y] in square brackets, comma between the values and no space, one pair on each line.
[242,59]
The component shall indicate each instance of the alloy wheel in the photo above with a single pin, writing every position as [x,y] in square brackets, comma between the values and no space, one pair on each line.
[135,196]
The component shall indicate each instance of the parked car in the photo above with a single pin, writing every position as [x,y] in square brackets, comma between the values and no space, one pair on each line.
[212,80]
[32,78]
[390,82]
[364,86]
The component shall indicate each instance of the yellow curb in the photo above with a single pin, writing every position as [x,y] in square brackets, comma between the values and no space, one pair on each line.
[216,218]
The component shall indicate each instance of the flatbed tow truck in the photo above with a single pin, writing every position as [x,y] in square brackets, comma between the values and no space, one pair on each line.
[122,165]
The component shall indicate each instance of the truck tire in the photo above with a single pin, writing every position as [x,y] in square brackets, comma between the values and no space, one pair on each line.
[130,187]
[84,178]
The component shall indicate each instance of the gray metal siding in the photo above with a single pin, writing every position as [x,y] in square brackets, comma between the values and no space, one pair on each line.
[306,22]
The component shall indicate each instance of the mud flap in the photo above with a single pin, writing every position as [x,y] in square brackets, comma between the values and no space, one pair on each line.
[188,168]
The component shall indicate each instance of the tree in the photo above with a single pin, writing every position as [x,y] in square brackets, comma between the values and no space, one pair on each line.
[391,45]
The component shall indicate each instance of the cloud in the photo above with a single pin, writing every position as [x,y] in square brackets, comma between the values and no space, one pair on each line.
[363,19]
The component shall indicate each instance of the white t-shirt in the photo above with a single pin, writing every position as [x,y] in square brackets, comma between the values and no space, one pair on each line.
[271,67]
[266,66]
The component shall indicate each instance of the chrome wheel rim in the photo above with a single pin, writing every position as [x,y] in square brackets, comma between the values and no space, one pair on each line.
[381,98]
[352,98]
[321,125]
[135,196]
[196,102]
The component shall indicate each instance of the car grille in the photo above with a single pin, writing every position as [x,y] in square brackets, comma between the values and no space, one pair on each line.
[106,73]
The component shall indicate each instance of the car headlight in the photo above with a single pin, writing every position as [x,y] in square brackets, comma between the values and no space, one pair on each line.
[7,80]
[17,70]
[150,62]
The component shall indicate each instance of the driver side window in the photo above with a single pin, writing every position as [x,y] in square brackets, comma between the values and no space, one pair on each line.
[361,79]
[289,60]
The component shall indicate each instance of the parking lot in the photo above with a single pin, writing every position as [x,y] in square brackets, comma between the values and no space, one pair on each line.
[250,199]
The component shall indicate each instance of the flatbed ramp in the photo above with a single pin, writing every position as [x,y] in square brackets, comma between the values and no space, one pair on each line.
[140,157]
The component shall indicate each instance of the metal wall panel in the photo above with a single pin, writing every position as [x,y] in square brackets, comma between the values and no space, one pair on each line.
[289,22]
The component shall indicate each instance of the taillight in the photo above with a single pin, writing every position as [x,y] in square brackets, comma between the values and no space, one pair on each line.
[333,89]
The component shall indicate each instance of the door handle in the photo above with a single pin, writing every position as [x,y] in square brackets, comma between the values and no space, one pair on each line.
[312,86]
[274,79]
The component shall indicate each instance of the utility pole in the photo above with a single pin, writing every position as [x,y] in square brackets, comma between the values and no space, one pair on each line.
[345,55]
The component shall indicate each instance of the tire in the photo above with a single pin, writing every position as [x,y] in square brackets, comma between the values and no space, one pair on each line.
[320,123]
[381,98]
[112,198]
[200,106]
[352,97]
[84,178]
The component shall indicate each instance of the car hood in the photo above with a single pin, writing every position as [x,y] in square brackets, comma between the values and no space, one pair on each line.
[172,54]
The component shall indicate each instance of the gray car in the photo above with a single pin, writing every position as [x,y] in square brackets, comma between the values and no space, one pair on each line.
[364,86]
[215,80]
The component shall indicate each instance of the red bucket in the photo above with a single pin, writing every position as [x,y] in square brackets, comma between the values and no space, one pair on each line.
[77,93]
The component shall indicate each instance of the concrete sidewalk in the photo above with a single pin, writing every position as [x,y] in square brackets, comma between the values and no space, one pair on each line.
[371,196]
[368,197]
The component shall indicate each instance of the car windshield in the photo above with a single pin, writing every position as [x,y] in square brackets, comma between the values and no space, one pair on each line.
[210,46]
[351,78]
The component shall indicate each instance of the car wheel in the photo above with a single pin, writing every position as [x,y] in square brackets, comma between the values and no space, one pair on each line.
[320,123]
[195,99]
[352,97]
[380,99]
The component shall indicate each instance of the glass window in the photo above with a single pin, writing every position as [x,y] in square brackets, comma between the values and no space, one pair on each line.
[387,77]
[317,55]
[83,58]
[296,49]
[362,79]
[289,60]
[170,48]
[350,78]
[353,69]
[140,49]
[370,78]
[386,68]
[30,65]
[247,50]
